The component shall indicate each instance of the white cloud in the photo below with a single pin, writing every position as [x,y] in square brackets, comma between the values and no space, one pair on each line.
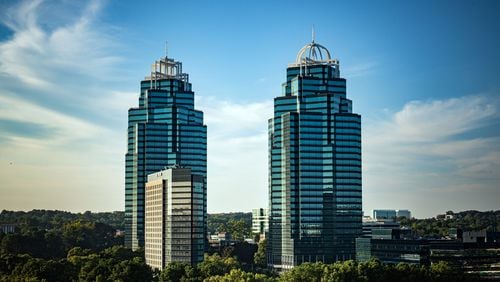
[424,148]
[66,128]
[237,153]
[45,58]
[52,71]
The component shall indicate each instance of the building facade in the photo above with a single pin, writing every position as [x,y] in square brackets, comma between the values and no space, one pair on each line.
[479,258]
[175,218]
[390,214]
[314,165]
[164,130]
[260,222]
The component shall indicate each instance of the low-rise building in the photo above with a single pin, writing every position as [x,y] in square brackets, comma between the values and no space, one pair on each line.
[175,217]
[477,252]
[384,214]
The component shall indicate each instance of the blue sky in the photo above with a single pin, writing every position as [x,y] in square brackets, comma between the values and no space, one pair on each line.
[424,75]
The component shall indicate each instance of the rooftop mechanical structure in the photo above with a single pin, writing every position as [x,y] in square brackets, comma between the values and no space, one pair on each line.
[315,54]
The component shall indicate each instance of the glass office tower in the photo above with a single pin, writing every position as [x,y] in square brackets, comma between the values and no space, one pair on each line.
[165,130]
[314,165]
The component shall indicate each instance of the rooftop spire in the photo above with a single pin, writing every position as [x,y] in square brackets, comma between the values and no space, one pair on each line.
[313,35]
[166,49]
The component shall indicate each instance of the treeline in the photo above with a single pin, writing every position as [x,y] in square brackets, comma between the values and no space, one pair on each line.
[112,264]
[59,246]
[239,224]
[51,234]
[218,269]
[440,225]
[56,242]
[120,264]
[53,219]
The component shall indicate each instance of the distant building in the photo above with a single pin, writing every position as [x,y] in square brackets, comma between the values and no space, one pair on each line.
[175,217]
[390,214]
[449,216]
[384,214]
[392,250]
[370,226]
[218,241]
[260,222]
[403,213]
[7,228]
[478,252]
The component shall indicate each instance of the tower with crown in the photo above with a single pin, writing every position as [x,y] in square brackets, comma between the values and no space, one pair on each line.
[314,165]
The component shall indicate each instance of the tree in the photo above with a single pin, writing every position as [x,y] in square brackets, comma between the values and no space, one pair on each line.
[373,270]
[216,265]
[312,272]
[174,271]
[260,256]
[240,275]
[239,229]
[131,270]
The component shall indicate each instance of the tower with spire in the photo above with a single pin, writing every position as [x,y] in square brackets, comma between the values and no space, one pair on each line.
[164,130]
[314,165]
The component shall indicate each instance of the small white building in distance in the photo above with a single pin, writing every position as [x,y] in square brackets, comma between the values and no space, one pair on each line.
[260,222]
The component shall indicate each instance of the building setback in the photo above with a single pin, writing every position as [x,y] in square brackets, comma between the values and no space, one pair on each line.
[175,221]
[165,130]
[314,165]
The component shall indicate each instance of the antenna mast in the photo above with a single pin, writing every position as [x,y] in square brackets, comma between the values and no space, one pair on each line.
[166,49]
[313,35]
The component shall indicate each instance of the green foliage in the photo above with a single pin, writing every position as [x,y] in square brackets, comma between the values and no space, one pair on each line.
[312,272]
[467,220]
[131,270]
[374,271]
[238,224]
[216,265]
[58,237]
[55,246]
[61,246]
[178,271]
[51,219]
[113,264]
[239,229]
[240,275]
[259,258]
[243,251]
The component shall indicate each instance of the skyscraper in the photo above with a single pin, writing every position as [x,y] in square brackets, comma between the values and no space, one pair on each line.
[175,217]
[165,130]
[314,165]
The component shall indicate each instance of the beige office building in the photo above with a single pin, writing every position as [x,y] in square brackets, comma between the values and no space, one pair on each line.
[175,217]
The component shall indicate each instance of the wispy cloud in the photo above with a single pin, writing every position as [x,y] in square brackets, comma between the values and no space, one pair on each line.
[359,70]
[424,148]
[43,58]
[65,128]
[59,116]
[237,152]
